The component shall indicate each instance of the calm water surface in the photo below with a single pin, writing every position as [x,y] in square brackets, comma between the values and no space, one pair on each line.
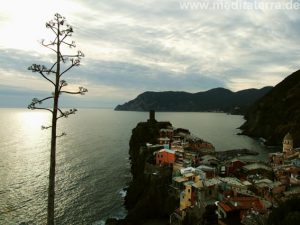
[92,160]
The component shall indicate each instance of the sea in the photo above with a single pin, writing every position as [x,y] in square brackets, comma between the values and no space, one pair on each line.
[93,167]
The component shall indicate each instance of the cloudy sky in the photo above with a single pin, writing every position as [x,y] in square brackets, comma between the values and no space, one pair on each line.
[148,45]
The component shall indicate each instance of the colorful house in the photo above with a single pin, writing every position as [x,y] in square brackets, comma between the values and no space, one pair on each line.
[232,210]
[165,157]
[186,196]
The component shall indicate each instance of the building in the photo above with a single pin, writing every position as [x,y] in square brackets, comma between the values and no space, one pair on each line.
[210,172]
[192,156]
[164,141]
[208,194]
[258,169]
[267,188]
[167,132]
[276,158]
[165,157]
[234,209]
[186,196]
[209,160]
[233,165]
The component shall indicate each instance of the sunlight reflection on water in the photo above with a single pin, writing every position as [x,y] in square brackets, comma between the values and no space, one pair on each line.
[92,160]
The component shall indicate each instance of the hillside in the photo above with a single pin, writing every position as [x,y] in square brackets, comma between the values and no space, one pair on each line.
[277,113]
[218,99]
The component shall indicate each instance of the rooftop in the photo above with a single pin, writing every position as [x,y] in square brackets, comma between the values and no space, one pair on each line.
[212,182]
[198,185]
[190,183]
[236,203]
[187,170]
[256,166]
[267,183]
[164,139]
[167,150]
[246,183]
[189,175]
[179,179]
[166,130]
[205,168]
[276,154]
[235,160]
[232,181]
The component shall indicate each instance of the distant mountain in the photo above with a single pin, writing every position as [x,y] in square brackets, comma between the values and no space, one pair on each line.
[277,113]
[217,99]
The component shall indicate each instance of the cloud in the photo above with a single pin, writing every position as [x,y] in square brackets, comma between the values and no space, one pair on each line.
[133,47]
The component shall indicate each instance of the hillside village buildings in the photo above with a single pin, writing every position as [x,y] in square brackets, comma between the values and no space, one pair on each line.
[234,191]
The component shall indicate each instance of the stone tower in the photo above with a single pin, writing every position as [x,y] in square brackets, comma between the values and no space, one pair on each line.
[152,117]
[287,143]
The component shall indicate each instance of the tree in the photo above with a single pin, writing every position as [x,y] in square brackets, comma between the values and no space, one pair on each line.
[53,74]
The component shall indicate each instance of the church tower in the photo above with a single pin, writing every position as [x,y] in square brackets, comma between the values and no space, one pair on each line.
[287,144]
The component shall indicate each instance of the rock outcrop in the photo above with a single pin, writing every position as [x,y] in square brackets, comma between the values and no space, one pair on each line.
[147,196]
[277,113]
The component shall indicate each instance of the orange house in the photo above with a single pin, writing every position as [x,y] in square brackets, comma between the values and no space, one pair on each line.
[165,157]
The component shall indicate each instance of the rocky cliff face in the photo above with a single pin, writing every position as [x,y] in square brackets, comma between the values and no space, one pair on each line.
[218,99]
[147,196]
[277,113]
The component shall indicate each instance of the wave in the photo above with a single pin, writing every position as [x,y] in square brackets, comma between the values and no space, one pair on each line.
[100,222]
[123,192]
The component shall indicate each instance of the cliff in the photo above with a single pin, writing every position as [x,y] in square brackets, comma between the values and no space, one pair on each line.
[218,99]
[277,113]
[147,196]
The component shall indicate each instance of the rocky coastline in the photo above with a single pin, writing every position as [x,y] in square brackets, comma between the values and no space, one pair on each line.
[148,200]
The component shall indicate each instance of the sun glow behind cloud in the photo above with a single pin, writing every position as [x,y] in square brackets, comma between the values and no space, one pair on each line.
[22,23]
[132,47]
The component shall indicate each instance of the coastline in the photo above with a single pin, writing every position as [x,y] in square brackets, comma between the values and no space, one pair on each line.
[139,156]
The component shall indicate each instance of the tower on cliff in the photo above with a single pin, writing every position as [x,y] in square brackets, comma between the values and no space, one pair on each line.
[152,117]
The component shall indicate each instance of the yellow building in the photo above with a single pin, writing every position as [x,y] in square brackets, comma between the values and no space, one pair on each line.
[186,196]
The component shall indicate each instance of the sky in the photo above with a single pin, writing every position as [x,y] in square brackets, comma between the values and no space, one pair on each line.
[149,45]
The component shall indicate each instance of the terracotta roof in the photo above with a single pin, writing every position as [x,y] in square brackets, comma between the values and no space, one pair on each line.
[226,207]
[237,203]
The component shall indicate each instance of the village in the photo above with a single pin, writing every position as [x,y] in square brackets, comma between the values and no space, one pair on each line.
[230,191]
